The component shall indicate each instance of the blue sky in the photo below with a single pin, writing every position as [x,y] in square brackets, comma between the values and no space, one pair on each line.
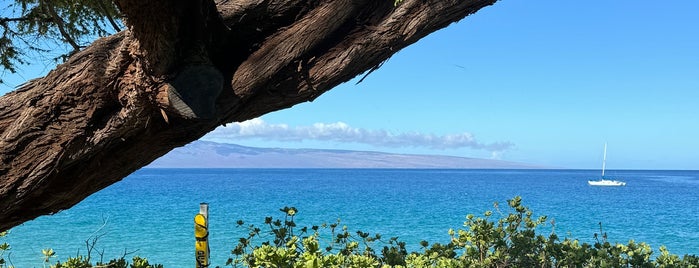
[541,82]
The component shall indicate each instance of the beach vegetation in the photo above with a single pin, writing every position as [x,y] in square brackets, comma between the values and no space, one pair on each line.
[512,236]
[79,261]
[517,238]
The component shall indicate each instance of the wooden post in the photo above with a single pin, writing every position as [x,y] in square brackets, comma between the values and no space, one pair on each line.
[201,235]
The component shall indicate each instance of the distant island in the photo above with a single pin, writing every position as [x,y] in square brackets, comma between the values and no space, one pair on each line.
[205,154]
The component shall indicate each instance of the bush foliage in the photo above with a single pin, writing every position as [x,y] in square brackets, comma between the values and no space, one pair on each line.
[510,241]
[513,240]
[78,261]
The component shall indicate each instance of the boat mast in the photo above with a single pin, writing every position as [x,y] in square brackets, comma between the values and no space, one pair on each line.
[604,162]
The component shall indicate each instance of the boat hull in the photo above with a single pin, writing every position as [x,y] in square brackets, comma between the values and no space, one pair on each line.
[606,183]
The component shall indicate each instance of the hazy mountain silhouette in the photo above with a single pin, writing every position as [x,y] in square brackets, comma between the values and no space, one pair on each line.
[204,154]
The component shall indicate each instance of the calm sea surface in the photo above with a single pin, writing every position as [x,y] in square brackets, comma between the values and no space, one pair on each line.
[151,211]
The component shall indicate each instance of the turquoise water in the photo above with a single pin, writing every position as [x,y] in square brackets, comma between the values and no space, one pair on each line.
[151,211]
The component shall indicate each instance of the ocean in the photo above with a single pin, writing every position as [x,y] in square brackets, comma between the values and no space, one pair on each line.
[150,213]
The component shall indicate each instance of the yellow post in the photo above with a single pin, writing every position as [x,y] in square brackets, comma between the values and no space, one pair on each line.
[201,235]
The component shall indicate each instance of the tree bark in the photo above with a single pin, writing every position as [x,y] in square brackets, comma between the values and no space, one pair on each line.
[180,70]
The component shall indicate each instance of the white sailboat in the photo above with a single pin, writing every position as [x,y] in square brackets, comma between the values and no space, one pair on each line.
[602,181]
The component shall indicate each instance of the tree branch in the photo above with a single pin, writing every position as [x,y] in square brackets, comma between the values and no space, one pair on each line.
[291,43]
[94,120]
[109,16]
[4,20]
[48,8]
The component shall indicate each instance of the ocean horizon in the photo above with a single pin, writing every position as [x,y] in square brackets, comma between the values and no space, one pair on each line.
[150,213]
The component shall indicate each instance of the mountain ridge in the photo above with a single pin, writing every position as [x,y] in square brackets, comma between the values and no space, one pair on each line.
[207,154]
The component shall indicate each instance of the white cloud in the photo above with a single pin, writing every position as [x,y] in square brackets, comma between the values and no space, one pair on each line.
[342,132]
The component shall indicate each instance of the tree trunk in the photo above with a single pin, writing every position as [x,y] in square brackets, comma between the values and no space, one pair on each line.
[180,70]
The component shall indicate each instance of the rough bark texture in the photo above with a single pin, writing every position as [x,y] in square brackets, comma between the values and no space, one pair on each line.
[180,70]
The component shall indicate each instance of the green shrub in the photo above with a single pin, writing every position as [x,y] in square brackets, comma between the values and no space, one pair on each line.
[78,261]
[4,248]
[510,241]
[83,262]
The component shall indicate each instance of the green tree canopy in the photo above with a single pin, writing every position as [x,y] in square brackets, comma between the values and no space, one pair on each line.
[31,29]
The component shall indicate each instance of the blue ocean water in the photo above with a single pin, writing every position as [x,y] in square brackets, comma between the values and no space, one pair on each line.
[151,212]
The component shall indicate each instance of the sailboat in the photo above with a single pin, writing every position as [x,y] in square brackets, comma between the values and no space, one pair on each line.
[602,181]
